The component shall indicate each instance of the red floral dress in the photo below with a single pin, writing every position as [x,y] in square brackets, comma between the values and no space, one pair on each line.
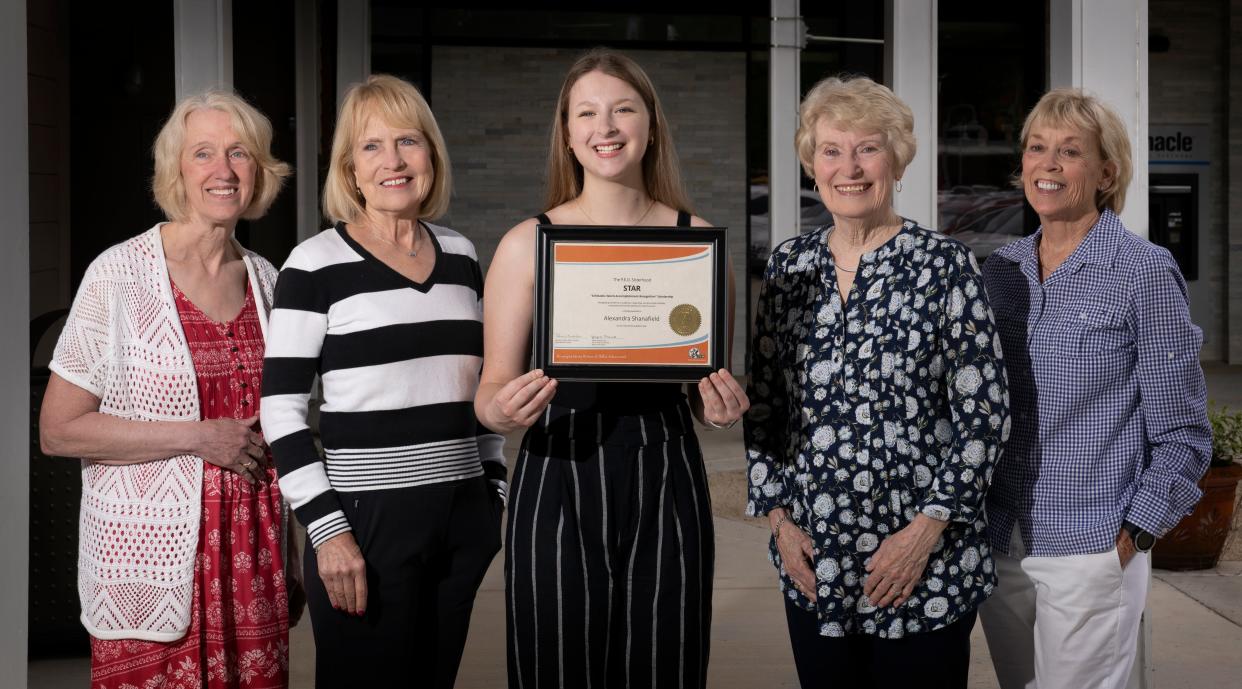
[239,623]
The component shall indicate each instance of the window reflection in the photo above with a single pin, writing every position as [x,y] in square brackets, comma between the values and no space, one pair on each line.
[992,59]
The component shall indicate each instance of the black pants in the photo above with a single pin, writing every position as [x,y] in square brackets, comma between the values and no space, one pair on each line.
[931,660]
[609,556]
[427,549]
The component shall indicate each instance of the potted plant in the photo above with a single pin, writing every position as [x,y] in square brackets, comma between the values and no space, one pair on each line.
[1196,542]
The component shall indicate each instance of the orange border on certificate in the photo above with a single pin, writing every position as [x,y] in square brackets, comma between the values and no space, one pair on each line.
[679,354]
[567,252]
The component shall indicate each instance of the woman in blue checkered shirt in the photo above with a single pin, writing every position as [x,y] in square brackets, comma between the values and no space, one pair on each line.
[1110,431]
[878,410]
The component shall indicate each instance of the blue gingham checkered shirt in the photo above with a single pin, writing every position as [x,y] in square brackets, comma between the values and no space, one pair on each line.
[1106,392]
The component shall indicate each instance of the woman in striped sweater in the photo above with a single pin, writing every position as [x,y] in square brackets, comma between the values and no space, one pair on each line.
[610,550]
[403,507]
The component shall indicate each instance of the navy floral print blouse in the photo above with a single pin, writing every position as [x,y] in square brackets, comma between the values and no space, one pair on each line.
[866,413]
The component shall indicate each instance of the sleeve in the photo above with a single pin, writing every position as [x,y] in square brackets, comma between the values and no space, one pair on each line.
[295,335]
[766,424]
[84,352]
[976,425]
[491,447]
[1173,397]
[491,444]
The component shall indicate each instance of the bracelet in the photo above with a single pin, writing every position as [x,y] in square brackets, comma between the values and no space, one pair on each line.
[780,521]
[712,424]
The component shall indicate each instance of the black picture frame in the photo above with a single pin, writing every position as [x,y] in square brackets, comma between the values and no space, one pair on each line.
[546,239]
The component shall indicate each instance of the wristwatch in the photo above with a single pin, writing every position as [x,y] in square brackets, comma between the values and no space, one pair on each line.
[1143,541]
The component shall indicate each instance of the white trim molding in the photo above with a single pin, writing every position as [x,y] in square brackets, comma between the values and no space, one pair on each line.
[784,75]
[910,64]
[1112,65]
[353,44]
[15,346]
[202,45]
[306,98]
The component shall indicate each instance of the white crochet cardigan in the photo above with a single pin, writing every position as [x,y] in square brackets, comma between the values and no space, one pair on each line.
[138,527]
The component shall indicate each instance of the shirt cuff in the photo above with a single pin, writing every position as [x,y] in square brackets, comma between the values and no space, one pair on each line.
[765,498]
[1151,514]
[502,489]
[323,529]
[945,508]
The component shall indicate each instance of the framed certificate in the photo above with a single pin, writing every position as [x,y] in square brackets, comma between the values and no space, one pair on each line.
[630,303]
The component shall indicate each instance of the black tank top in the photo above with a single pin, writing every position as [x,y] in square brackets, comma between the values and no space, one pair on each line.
[620,399]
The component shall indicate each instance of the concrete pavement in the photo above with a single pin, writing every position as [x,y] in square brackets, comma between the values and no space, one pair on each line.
[1196,616]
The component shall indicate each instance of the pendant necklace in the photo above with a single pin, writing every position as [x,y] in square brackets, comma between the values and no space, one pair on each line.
[594,221]
[411,252]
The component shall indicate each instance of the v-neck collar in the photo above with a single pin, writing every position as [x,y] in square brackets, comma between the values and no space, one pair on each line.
[424,286]
[180,295]
[828,262]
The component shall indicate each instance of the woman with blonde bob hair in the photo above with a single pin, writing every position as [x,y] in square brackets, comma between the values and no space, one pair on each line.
[402,508]
[878,411]
[253,131]
[155,386]
[1110,432]
[606,469]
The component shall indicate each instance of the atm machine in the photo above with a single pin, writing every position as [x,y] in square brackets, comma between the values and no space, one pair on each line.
[1180,158]
[1173,203]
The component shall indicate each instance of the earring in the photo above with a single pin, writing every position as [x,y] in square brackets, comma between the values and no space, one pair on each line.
[898,186]
[815,186]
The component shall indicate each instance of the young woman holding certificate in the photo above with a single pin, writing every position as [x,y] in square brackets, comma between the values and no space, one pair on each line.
[610,516]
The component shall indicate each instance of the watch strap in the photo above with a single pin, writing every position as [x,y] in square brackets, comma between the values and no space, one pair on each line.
[1143,540]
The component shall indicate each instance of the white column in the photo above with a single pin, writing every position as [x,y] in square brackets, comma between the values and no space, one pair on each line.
[784,176]
[202,45]
[1112,65]
[1101,46]
[910,70]
[353,44]
[306,96]
[14,346]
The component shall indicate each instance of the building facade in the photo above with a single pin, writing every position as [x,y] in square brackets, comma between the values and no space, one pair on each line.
[89,87]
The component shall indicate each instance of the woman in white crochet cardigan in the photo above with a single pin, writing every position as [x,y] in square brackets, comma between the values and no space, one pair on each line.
[155,386]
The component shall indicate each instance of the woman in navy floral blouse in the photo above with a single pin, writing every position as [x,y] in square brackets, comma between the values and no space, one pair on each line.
[879,407]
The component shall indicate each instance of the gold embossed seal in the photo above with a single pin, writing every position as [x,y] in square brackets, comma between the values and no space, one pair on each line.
[684,319]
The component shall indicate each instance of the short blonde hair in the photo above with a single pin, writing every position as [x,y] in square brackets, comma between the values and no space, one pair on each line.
[661,172]
[398,104]
[1071,108]
[857,104]
[253,130]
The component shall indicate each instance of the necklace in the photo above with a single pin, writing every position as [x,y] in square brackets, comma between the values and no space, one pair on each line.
[412,252]
[642,217]
[828,243]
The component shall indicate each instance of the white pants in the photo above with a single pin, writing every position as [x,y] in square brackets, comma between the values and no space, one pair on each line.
[1069,622]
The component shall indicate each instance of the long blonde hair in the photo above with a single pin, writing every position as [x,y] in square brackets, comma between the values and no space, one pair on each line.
[661,173]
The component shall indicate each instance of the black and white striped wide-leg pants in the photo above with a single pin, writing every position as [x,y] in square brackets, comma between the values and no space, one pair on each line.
[609,554]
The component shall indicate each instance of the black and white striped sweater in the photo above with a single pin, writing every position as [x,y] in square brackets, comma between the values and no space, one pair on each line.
[399,364]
